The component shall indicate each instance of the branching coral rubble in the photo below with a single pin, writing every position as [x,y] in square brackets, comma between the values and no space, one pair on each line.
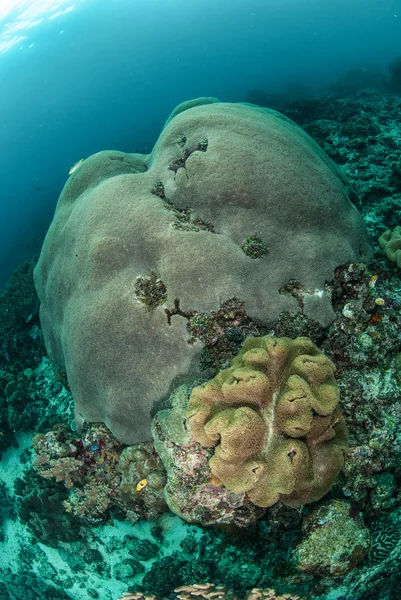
[210,591]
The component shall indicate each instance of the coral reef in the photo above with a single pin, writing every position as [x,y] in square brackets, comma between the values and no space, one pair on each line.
[86,467]
[23,405]
[19,303]
[29,586]
[255,247]
[363,342]
[229,559]
[386,536]
[210,162]
[100,475]
[6,508]
[151,291]
[362,134]
[273,420]
[222,333]
[32,393]
[21,348]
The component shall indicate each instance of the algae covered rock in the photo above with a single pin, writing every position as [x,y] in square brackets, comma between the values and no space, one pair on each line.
[133,233]
[336,540]
[273,421]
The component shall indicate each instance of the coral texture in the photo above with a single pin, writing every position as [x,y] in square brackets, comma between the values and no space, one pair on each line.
[219,175]
[274,421]
[390,241]
[336,539]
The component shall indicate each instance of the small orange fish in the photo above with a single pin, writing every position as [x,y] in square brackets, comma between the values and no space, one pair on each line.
[373,280]
[215,481]
[143,483]
[375,319]
[380,301]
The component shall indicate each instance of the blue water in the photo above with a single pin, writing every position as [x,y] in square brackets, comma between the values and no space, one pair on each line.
[106,75]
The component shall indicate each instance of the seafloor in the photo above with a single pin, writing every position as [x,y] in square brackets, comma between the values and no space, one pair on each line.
[52,546]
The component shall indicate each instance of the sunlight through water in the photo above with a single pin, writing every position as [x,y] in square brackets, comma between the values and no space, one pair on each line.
[19,16]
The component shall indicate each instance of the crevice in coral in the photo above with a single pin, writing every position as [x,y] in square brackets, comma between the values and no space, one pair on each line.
[184,219]
[180,163]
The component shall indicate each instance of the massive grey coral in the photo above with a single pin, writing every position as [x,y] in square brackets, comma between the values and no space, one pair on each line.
[218,174]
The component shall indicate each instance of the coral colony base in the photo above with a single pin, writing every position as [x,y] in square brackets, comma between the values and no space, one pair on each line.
[209,405]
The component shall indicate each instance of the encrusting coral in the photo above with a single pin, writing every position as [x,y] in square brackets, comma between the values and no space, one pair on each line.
[274,422]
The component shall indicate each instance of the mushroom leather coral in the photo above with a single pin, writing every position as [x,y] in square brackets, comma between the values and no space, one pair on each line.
[273,419]
[390,241]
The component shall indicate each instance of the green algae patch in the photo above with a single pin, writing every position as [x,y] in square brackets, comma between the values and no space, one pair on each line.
[255,247]
[151,291]
[336,540]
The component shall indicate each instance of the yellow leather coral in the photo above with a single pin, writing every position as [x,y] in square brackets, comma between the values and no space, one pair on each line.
[273,419]
[390,242]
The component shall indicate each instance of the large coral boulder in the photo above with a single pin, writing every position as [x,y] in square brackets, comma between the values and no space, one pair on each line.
[234,201]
